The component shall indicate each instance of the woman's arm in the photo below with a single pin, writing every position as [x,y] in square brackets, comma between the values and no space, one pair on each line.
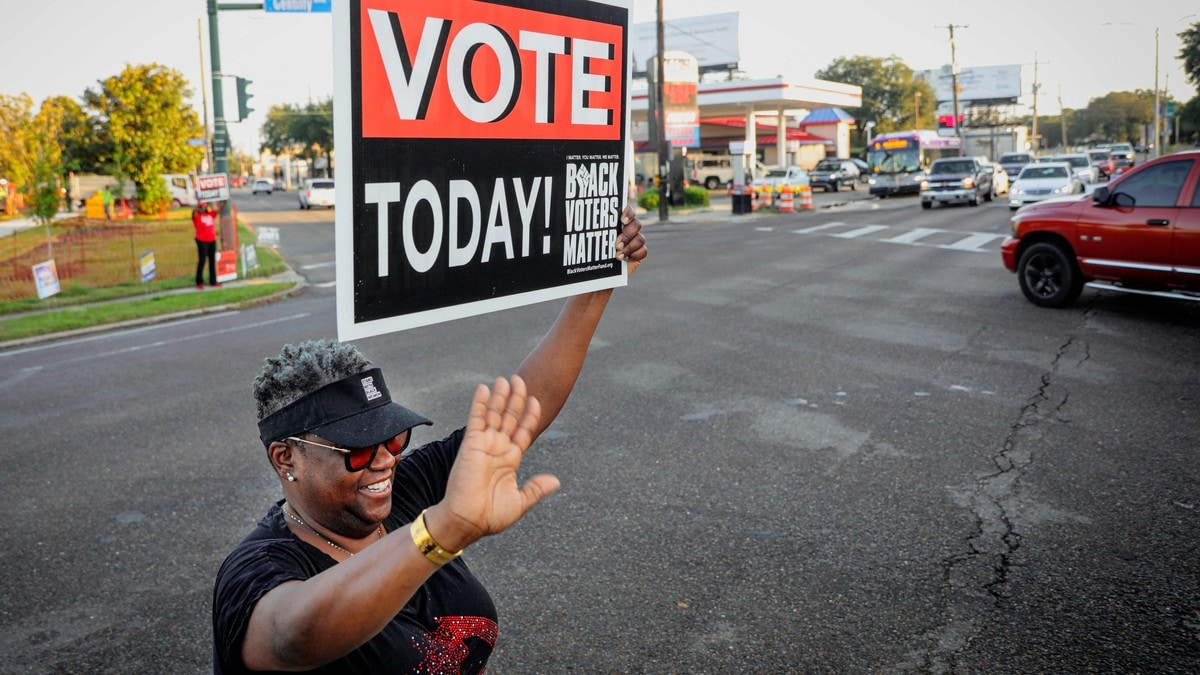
[300,625]
[552,368]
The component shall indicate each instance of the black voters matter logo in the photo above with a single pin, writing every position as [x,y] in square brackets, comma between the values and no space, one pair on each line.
[592,209]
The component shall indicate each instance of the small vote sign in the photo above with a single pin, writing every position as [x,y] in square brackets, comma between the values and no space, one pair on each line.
[482,154]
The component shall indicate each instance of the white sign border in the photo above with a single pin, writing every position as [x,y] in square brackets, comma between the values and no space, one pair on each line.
[343,132]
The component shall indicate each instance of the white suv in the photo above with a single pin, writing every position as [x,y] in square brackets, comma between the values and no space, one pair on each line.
[316,192]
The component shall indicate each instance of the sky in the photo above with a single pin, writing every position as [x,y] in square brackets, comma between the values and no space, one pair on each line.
[1085,50]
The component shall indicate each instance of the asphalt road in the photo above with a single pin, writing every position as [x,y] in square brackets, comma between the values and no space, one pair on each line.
[838,441]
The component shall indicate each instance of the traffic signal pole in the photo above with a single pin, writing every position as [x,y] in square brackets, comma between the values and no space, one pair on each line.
[220,131]
[220,139]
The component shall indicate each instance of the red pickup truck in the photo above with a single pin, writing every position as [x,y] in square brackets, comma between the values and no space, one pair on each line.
[1139,233]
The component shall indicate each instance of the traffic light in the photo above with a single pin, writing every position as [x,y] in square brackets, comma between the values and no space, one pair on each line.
[244,110]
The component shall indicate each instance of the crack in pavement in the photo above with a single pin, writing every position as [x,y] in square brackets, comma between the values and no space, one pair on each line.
[976,581]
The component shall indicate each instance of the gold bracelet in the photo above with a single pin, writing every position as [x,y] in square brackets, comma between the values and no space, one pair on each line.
[427,546]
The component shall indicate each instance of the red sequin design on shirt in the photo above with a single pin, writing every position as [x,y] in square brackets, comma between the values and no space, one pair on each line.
[446,647]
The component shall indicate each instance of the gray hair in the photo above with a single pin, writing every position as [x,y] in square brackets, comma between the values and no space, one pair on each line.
[302,369]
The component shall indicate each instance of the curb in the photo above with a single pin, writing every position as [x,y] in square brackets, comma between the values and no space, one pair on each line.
[290,275]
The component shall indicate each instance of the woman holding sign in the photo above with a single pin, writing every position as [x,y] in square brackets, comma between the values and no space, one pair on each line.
[357,569]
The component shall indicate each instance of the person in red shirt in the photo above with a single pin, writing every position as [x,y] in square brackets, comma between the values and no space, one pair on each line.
[204,220]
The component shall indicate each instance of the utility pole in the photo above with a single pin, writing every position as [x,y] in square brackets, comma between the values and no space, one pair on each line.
[1062,114]
[954,82]
[1157,122]
[208,156]
[1036,85]
[664,151]
[917,110]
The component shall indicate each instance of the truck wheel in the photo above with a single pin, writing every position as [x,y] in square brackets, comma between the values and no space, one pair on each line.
[927,205]
[987,196]
[974,200]
[1048,275]
[712,183]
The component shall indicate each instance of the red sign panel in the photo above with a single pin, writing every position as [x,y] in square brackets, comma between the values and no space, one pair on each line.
[435,70]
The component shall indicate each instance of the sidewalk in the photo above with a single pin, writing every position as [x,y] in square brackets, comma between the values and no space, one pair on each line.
[11,226]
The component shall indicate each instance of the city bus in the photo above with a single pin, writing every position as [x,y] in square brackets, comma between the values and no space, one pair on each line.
[897,160]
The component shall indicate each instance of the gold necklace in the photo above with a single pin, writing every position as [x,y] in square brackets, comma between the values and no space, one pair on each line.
[296,517]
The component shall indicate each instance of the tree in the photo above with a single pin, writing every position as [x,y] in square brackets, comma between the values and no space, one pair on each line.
[147,120]
[1116,116]
[301,131]
[1189,121]
[1189,53]
[888,91]
[16,143]
[76,134]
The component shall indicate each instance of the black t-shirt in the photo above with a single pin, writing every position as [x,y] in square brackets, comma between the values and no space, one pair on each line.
[448,626]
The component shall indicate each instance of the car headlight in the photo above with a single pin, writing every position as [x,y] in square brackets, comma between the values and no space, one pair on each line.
[968,183]
[924,185]
[870,181]
[1017,191]
[1061,190]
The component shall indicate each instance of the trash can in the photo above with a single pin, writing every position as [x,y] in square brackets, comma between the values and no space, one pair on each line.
[742,200]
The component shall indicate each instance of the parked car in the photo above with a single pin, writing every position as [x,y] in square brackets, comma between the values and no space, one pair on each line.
[316,192]
[1081,165]
[1140,233]
[1102,159]
[956,179]
[262,185]
[778,176]
[1013,162]
[1041,181]
[832,174]
[279,185]
[711,171]
[1122,154]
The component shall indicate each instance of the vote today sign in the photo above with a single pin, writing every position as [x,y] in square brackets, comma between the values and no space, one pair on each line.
[482,154]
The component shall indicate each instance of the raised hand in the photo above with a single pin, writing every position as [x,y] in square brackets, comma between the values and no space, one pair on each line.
[482,494]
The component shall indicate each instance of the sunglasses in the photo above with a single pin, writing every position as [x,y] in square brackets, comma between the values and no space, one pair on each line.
[358,459]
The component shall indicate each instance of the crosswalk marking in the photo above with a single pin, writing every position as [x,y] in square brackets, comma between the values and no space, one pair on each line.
[862,231]
[912,236]
[973,242]
[976,242]
[818,228]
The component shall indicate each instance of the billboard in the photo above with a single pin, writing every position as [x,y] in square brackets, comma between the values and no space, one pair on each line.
[984,85]
[712,39]
[482,152]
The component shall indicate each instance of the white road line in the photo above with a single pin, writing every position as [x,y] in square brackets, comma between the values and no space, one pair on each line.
[325,284]
[157,343]
[316,266]
[19,375]
[913,235]
[974,242]
[862,231]
[818,228]
[764,229]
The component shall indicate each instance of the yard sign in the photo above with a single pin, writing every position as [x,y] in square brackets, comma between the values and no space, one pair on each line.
[481,156]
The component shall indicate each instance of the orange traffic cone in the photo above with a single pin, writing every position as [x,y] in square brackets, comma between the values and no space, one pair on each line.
[786,202]
[806,203]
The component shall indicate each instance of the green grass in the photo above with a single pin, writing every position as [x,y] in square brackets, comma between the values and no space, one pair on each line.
[65,318]
[106,295]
